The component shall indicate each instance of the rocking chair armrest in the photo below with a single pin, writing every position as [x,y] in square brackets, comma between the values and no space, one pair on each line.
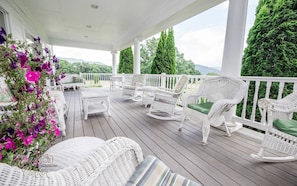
[221,106]
[165,92]
[277,105]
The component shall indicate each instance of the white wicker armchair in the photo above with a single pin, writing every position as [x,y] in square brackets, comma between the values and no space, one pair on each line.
[281,129]
[80,161]
[213,98]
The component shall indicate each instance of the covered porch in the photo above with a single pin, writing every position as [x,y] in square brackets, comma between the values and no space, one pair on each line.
[224,161]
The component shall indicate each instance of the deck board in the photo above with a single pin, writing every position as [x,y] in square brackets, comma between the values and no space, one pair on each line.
[224,161]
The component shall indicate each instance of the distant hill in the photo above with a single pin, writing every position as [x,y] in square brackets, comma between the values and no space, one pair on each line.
[73,60]
[204,69]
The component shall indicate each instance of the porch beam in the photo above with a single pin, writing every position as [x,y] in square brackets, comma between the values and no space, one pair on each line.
[234,39]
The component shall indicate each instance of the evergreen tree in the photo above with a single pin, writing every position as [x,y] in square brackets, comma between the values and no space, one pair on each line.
[160,63]
[170,47]
[272,41]
[148,52]
[272,44]
[126,61]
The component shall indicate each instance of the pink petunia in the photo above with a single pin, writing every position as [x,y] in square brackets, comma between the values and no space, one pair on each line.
[57,132]
[53,122]
[20,134]
[9,144]
[32,76]
[26,159]
[27,141]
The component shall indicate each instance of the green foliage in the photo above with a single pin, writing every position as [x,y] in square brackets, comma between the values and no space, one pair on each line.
[126,61]
[212,74]
[272,45]
[170,47]
[147,54]
[83,67]
[160,63]
[28,127]
[184,66]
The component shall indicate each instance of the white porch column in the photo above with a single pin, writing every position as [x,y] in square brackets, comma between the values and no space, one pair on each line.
[136,57]
[233,49]
[234,39]
[114,62]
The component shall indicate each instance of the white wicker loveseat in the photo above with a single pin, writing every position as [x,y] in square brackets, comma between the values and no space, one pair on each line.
[92,161]
[72,81]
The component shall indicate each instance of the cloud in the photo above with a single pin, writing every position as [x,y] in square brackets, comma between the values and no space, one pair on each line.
[204,46]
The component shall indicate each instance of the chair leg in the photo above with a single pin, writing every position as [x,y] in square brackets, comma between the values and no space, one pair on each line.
[183,118]
[205,132]
[227,129]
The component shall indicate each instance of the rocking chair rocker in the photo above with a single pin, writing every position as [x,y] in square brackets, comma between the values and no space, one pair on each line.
[281,131]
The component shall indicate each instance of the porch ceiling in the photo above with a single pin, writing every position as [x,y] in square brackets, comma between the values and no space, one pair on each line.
[113,25]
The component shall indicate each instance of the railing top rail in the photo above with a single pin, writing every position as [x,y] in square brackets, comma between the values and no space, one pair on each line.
[270,79]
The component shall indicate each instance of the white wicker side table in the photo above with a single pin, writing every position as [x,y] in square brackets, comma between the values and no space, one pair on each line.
[94,101]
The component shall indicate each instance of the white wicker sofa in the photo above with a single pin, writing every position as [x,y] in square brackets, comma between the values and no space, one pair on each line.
[72,81]
[92,161]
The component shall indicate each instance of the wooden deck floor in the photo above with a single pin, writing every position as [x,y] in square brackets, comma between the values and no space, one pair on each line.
[224,161]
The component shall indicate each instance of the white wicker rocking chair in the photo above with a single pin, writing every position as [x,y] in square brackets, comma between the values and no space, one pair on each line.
[213,98]
[165,101]
[281,129]
[133,90]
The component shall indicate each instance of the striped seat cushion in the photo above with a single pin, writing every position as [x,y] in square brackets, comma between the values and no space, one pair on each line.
[153,172]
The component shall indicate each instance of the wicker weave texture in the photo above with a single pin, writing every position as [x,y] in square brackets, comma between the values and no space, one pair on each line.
[113,163]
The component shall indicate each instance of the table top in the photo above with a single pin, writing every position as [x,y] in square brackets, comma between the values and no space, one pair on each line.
[93,94]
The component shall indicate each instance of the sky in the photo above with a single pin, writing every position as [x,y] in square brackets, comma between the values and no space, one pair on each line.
[200,38]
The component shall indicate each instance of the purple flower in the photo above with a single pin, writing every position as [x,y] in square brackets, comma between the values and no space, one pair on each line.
[57,79]
[36,59]
[63,75]
[38,91]
[13,65]
[55,59]
[23,58]
[32,118]
[37,39]
[2,35]
[10,130]
[46,50]
[29,88]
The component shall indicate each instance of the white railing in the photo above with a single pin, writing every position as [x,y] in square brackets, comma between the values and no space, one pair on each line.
[255,84]
[251,118]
